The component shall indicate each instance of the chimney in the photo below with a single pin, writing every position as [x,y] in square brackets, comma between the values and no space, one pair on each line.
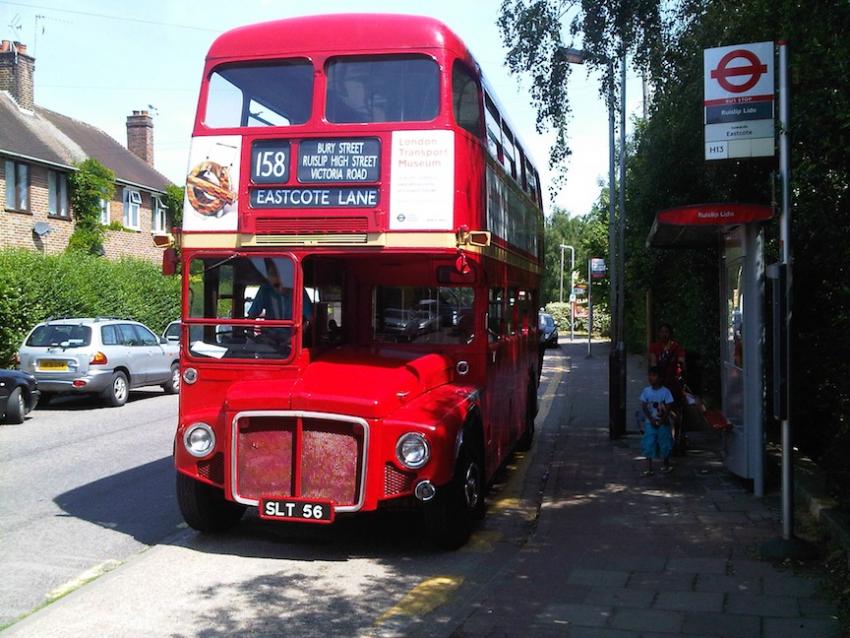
[16,71]
[140,135]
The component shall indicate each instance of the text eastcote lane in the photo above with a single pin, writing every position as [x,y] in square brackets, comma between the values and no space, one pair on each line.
[316,197]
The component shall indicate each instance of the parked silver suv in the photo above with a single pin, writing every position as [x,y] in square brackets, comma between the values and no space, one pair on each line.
[102,356]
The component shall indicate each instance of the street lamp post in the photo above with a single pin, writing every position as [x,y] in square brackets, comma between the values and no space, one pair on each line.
[572,268]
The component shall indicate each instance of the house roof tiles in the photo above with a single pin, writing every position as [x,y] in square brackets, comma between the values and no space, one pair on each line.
[53,138]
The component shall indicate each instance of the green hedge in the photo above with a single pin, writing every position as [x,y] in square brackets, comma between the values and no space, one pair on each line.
[34,287]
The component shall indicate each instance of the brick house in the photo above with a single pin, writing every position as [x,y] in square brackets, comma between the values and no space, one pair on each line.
[38,149]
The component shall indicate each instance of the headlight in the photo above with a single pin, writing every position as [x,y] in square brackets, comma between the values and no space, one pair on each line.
[199,439]
[190,375]
[412,450]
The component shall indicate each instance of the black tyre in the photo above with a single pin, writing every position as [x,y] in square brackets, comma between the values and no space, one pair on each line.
[16,408]
[204,507]
[450,516]
[527,438]
[118,391]
[172,386]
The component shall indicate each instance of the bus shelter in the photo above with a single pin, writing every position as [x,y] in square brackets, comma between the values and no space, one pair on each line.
[737,231]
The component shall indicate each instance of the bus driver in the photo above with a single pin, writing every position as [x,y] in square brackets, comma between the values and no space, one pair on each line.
[274,301]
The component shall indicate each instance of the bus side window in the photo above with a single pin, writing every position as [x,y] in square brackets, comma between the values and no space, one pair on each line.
[523,176]
[494,129]
[523,302]
[466,100]
[510,316]
[495,314]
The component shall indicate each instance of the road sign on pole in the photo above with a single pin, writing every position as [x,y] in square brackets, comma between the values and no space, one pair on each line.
[738,101]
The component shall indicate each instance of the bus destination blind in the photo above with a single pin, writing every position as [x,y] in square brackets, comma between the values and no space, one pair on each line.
[339,160]
[328,197]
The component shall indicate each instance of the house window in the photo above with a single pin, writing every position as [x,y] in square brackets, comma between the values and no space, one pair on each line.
[17,186]
[132,205]
[57,194]
[104,211]
[157,216]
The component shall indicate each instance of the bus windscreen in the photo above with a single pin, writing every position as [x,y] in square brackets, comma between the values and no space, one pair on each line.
[383,89]
[278,94]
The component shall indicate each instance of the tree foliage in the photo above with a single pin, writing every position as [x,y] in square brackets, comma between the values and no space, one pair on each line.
[90,183]
[173,202]
[585,234]
[666,167]
[536,34]
[34,287]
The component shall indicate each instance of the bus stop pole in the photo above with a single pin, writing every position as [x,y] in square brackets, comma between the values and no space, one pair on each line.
[788,546]
[785,240]
[589,308]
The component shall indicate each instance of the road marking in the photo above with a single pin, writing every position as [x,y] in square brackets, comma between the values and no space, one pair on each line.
[425,597]
[436,591]
[510,497]
[86,577]
[482,542]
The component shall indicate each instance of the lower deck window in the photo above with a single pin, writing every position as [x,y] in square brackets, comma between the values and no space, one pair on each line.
[243,288]
[408,314]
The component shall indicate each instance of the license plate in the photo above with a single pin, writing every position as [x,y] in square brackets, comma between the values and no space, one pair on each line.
[295,509]
[53,366]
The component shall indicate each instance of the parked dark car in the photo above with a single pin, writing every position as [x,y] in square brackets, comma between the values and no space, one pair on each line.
[18,395]
[548,330]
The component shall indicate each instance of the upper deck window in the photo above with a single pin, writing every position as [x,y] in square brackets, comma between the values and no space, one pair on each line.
[390,88]
[466,99]
[277,94]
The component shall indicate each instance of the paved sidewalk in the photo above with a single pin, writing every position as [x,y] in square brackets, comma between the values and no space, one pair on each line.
[619,555]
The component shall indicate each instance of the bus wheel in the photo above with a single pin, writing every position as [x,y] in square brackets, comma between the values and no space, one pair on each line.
[204,507]
[524,443]
[451,515]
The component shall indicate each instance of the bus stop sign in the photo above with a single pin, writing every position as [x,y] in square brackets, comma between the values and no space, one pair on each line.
[738,101]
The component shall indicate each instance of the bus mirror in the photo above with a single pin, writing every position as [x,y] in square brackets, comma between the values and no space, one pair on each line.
[169,262]
[479,238]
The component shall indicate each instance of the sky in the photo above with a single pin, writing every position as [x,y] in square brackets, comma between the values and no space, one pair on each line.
[97,61]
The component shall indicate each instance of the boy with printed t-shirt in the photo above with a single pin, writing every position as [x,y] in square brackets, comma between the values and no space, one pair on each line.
[655,403]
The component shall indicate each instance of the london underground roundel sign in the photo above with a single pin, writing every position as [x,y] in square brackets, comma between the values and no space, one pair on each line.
[738,102]
[727,69]
[739,73]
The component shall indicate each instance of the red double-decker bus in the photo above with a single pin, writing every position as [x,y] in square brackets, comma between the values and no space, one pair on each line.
[361,253]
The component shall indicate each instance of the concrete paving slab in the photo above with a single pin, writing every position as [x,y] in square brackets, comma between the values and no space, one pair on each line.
[689,601]
[755,605]
[621,597]
[725,625]
[647,620]
[801,628]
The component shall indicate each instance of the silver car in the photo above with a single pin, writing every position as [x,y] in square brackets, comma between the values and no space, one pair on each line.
[99,356]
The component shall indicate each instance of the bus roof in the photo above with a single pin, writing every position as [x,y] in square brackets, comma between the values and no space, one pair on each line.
[345,32]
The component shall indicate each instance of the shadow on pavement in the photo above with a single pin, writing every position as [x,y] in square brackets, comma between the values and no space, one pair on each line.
[141,503]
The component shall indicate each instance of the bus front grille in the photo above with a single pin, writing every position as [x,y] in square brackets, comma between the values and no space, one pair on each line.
[330,239]
[282,225]
[304,455]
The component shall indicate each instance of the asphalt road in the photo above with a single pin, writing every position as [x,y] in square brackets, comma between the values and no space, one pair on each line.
[82,488]
[101,509]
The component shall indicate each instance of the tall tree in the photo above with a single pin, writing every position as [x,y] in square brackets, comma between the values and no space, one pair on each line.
[538,33]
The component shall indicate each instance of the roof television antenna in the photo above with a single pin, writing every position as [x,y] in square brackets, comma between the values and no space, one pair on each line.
[38,17]
[15,25]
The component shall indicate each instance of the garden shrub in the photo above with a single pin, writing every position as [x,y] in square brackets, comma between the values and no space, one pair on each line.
[34,287]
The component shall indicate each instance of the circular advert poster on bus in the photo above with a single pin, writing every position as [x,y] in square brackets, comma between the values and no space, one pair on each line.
[212,184]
